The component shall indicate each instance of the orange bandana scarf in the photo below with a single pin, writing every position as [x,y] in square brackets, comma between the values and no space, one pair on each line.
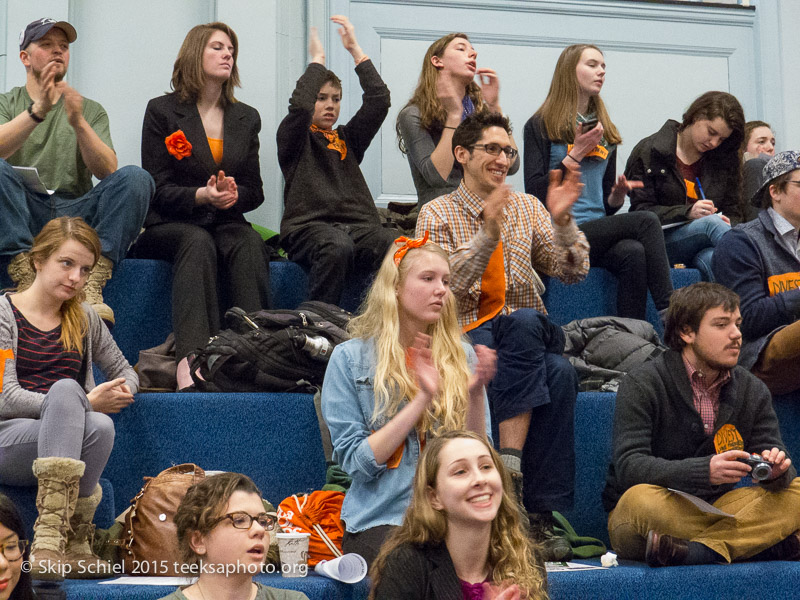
[335,142]
[408,244]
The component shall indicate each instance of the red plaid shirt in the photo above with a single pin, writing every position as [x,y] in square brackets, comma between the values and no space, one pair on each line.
[705,397]
[531,243]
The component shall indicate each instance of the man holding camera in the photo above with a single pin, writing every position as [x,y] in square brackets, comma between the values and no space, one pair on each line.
[689,420]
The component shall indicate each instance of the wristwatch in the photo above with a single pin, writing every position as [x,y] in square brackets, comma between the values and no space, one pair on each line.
[33,115]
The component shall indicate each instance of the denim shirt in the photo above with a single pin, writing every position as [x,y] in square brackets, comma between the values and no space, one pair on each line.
[378,495]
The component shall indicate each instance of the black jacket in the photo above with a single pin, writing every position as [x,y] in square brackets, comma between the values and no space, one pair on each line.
[654,161]
[419,573]
[658,434]
[178,180]
[320,186]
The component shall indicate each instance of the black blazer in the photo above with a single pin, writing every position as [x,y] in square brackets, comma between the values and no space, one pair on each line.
[178,180]
[419,573]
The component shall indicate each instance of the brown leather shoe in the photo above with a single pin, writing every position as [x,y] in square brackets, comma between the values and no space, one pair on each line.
[665,550]
[788,549]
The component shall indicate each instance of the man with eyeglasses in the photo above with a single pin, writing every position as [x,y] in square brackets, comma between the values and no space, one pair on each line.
[498,240]
[760,261]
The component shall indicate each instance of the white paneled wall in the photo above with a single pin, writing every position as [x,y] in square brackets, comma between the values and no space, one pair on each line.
[659,57]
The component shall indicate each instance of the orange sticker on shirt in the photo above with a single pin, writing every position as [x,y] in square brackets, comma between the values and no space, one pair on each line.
[783,283]
[5,354]
[728,438]
[691,189]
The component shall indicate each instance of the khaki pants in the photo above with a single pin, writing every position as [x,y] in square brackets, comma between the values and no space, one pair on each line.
[763,519]
[777,365]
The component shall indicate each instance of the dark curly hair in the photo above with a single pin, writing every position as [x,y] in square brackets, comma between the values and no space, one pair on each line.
[203,503]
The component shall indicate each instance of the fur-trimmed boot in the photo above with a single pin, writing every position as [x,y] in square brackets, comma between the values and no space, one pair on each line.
[78,554]
[21,271]
[94,289]
[59,478]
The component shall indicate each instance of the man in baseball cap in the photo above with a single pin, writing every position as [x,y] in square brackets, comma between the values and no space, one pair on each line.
[38,29]
[48,125]
[760,261]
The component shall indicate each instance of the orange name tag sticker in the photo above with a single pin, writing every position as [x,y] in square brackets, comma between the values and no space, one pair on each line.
[728,438]
[5,354]
[784,282]
[691,189]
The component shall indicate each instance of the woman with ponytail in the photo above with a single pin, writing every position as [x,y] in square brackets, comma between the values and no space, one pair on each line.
[55,431]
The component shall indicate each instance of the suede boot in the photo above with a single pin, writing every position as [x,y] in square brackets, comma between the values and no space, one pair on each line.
[78,554]
[59,478]
[94,289]
[21,271]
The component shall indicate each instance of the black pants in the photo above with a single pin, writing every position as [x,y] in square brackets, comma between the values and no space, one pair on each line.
[330,253]
[631,246]
[198,254]
[367,543]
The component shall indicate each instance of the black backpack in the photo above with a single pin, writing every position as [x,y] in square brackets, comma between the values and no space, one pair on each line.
[271,350]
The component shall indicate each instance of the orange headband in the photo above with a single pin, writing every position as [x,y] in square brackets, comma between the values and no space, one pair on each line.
[408,244]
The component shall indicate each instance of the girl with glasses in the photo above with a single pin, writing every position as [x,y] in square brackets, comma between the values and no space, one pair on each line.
[405,377]
[224,533]
[15,584]
[461,536]
[446,94]
[692,178]
[573,131]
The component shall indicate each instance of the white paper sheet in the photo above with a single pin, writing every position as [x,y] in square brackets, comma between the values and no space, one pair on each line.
[702,504]
[170,581]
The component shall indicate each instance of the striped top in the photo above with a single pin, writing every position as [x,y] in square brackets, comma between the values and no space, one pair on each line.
[41,359]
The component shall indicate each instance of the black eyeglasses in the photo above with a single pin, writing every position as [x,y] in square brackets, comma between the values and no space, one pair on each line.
[243,520]
[14,550]
[496,149]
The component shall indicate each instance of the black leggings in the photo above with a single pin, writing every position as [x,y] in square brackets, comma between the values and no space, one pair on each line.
[631,246]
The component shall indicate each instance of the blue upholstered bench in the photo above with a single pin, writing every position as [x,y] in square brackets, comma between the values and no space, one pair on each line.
[274,438]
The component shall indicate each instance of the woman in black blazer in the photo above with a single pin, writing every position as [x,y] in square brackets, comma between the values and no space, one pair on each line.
[201,147]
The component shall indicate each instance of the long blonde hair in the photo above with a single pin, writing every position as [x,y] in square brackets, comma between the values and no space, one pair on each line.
[559,110]
[511,553]
[379,320]
[431,112]
[74,322]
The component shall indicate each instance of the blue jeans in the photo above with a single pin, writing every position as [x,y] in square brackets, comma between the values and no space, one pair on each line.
[115,207]
[533,377]
[693,243]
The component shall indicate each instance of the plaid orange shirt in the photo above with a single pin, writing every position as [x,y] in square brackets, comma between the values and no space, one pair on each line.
[704,396]
[531,242]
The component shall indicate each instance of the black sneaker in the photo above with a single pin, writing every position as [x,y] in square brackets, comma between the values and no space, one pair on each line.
[552,547]
[516,481]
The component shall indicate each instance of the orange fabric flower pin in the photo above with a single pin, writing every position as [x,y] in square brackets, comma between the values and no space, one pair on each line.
[178,145]
[408,244]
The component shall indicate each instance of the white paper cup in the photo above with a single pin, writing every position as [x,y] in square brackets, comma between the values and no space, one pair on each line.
[293,548]
[350,568]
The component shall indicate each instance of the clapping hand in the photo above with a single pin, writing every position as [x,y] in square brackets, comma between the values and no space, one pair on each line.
[221,191]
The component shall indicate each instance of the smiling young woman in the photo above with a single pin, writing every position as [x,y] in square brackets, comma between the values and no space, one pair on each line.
[446,94]
[403,378]
[692,177]
[463,524]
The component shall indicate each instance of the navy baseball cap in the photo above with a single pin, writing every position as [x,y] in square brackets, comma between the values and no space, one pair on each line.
[39,28]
